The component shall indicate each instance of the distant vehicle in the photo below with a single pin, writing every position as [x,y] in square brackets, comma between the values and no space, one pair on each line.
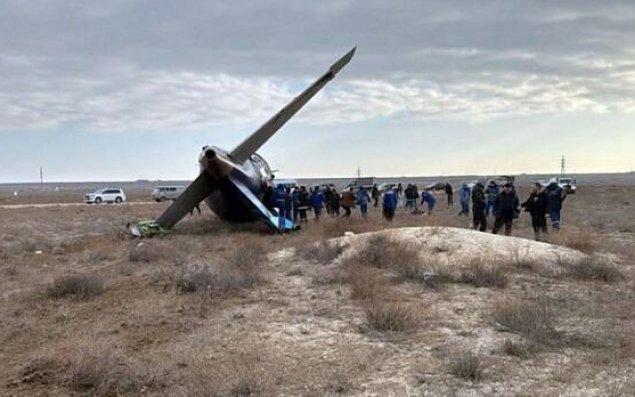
[368,183]
[567,184]
[437,186]
[287,183]
[385,186]
[162,193]
[106,195]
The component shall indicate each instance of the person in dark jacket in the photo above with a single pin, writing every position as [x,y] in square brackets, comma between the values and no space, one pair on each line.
[555,197]
[295,198]
[536,205]
[505,209]
[411,198]
[334,203]
[464,195]
[389,204]
[491,192]
[327,199]
[317,202]
[450,194]
[479,203]
[304,204]
[375,195]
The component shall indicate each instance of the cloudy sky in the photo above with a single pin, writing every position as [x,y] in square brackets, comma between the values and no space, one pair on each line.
[128,89]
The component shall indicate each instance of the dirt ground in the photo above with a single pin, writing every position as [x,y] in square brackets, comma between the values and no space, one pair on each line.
[219,309]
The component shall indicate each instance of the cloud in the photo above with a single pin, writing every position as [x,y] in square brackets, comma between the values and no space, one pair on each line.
[130,65]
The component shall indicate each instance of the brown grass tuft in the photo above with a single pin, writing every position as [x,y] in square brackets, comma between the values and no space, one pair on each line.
[593,268]
[81,287]
[367,283]
[487,276]
[533,319]
[104,373]
[466,366]
[390,316]
[323,252]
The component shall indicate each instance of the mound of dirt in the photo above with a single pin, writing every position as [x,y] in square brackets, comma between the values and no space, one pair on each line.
[458,246]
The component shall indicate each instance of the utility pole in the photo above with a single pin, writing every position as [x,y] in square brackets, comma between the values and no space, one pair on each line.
[359,172]
[562,166]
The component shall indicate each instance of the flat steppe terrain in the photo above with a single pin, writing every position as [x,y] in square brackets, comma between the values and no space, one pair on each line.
[216,309]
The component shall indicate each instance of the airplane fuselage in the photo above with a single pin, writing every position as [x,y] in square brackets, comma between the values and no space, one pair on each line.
[226,201]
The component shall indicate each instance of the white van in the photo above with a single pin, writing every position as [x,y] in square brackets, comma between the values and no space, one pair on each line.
[162,193]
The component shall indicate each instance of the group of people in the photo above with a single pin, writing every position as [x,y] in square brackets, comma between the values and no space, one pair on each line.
[505,206]
[500,201]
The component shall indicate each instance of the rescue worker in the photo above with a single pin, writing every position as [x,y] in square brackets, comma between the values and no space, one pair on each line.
[536,205]
[375,195]
[555,197]
[450,194]
[491,192]
[479,203]
[429,199]
[283,204]
[334,203]
[464,196]
[399,194]
[348,202]
[295,198]
[506,209]
[389,204]
[327,199]
[363,199]
[317,202]
[411,198]
[304,204]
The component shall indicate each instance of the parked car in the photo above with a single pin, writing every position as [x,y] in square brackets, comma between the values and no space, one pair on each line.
[162,193]
[106,195]
[437,186]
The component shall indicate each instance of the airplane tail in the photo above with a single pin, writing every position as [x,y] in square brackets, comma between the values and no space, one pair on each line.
[250,145]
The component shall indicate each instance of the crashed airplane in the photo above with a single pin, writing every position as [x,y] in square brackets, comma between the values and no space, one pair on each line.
[233,183]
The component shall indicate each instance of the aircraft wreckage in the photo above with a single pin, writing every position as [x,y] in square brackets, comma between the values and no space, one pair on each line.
[233,183]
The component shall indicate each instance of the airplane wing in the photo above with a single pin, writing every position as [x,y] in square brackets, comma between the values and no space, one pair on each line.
[250,145]
[259,208]
[196,192]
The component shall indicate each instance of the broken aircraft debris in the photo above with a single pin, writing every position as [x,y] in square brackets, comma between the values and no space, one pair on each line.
[233,183]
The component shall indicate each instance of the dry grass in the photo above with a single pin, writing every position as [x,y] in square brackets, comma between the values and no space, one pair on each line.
[367,283]
[532,319]
[585,240]
[104,373]
[323,252]
[485,276]
[592,268]
[466,366]
[515,349]
[80,287]
[391,316]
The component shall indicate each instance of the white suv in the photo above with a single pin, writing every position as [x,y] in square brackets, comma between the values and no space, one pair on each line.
[107,195]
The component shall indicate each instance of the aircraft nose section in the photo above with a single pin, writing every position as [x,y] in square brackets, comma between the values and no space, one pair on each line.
[210,154]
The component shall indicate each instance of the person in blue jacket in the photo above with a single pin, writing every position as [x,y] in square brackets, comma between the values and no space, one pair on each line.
[491,192]
[389,204]
[428,198]
[283,204]
[464,195]
[555,197]
[317,202]
[295,198]
[363,199]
